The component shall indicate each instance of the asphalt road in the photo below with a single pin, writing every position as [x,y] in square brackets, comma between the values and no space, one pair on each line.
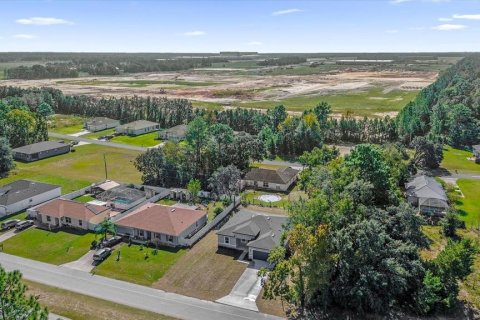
[125,293]
[93,141]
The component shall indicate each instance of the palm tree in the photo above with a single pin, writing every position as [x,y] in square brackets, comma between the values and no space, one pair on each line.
[106,226]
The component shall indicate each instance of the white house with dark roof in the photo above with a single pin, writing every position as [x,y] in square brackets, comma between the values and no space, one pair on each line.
[138,127]
[257,233]
[476,153]
[176,133]
[101,123]
[23,194]
[426,194]
[269,179]
[40,150]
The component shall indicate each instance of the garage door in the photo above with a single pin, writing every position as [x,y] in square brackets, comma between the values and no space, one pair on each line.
[260,255]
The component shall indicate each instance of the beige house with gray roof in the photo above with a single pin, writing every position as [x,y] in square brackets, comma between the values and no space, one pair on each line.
[280,179]
[137,128]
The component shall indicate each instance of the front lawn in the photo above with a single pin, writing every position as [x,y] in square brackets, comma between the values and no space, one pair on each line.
[469,205]
[75,170]
[134,267]
[204,272]
[456,159]
[144,140]
[56,247]
[96,135]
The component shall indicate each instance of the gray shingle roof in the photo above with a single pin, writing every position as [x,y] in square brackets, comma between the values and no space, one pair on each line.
[426,187]
[137,125]
[40,146]
[99,121]
[23,189]
[246,222]
[179,131]
[279,176]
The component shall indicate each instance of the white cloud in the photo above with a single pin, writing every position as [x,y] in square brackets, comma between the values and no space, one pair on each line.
[392,31]
[445,19]
[449,27]
[467,16]
[24,36]
[195,33]
[287,11]
[42,21]
[255,43]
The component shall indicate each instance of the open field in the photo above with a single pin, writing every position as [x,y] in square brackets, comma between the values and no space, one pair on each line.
[456,159]
[469,205]
[204,272]
[134,265]
[78,169]
[78,306]
[356,91]
[56,247]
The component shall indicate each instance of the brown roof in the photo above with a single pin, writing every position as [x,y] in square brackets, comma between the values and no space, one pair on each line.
[161,219]
[279,176]
[59,208]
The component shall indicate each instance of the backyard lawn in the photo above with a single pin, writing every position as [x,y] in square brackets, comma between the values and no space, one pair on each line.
[79,169]
[134,267]
[56,247]
[469,206]
[65,124]
[85,198]
[144,140]
[456,159]
[205,271]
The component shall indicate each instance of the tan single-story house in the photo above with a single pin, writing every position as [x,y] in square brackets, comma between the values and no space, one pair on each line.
[426,194]
[23,194]
[476,153]
[253,232]
[41,150]
[160,224]
[101,123]
[270,179]
[68,213]
[137,128]
[176,133]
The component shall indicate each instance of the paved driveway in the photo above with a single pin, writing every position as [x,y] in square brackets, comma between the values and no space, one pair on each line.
[85,263]
[246,290]
[7,235]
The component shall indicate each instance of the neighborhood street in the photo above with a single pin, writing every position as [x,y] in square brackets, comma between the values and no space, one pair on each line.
[125,293]
[93,141]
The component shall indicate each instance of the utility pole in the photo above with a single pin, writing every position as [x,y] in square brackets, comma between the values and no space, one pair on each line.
[105,164]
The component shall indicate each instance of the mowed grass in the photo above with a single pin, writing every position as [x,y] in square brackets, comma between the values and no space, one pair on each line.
[56,247]
[65,124]
[469,205]
[98,134]
[79,169]
[204,272]
[456,159]
[77,306]
[373,102]
[134,267]
[144,140]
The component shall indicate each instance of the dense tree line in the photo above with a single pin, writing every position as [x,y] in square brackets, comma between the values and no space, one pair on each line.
[282,61]
[354,244]
[37,71]
[447,111]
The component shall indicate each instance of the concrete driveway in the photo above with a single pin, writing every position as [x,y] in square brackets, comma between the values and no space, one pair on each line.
[85,263]
[8,234]
[246,290]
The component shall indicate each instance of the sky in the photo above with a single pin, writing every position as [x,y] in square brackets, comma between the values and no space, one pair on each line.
[243,25]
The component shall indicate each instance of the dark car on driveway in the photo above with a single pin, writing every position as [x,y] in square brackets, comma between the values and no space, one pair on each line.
[102,254]
[22,225]
[110,242]
[9,224]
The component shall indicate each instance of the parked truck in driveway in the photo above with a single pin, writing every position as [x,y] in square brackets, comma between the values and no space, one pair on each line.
[22,225]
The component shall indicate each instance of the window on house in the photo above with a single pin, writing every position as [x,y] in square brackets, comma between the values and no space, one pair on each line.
[158,236]
[80,222]
[243,240]
[140,233]
[170,238]
[49,218]
[265,184]
[226,240]
[68,220]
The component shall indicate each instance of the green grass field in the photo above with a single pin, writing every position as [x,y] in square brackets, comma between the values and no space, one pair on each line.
[96,135]
[79,169]
[469,206]
[84,199]
[133,266]
[144,140]
[456,159]
[65,124]
[57,247]
[365,103]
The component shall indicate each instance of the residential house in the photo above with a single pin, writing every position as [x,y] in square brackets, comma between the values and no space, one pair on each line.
[176,133]
[122,197]
[256,233]
[138,127]
[23,194]
[270,179]
[163,225]
[476,153]
[426,194]
[40,150]
[60,213]
[103,186]
[101,123]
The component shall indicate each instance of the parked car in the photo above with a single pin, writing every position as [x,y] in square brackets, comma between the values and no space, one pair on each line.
[102,254]
[22,225]
[111,241]
[9,224]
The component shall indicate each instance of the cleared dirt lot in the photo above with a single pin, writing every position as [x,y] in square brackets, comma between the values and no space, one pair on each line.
[204,272]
